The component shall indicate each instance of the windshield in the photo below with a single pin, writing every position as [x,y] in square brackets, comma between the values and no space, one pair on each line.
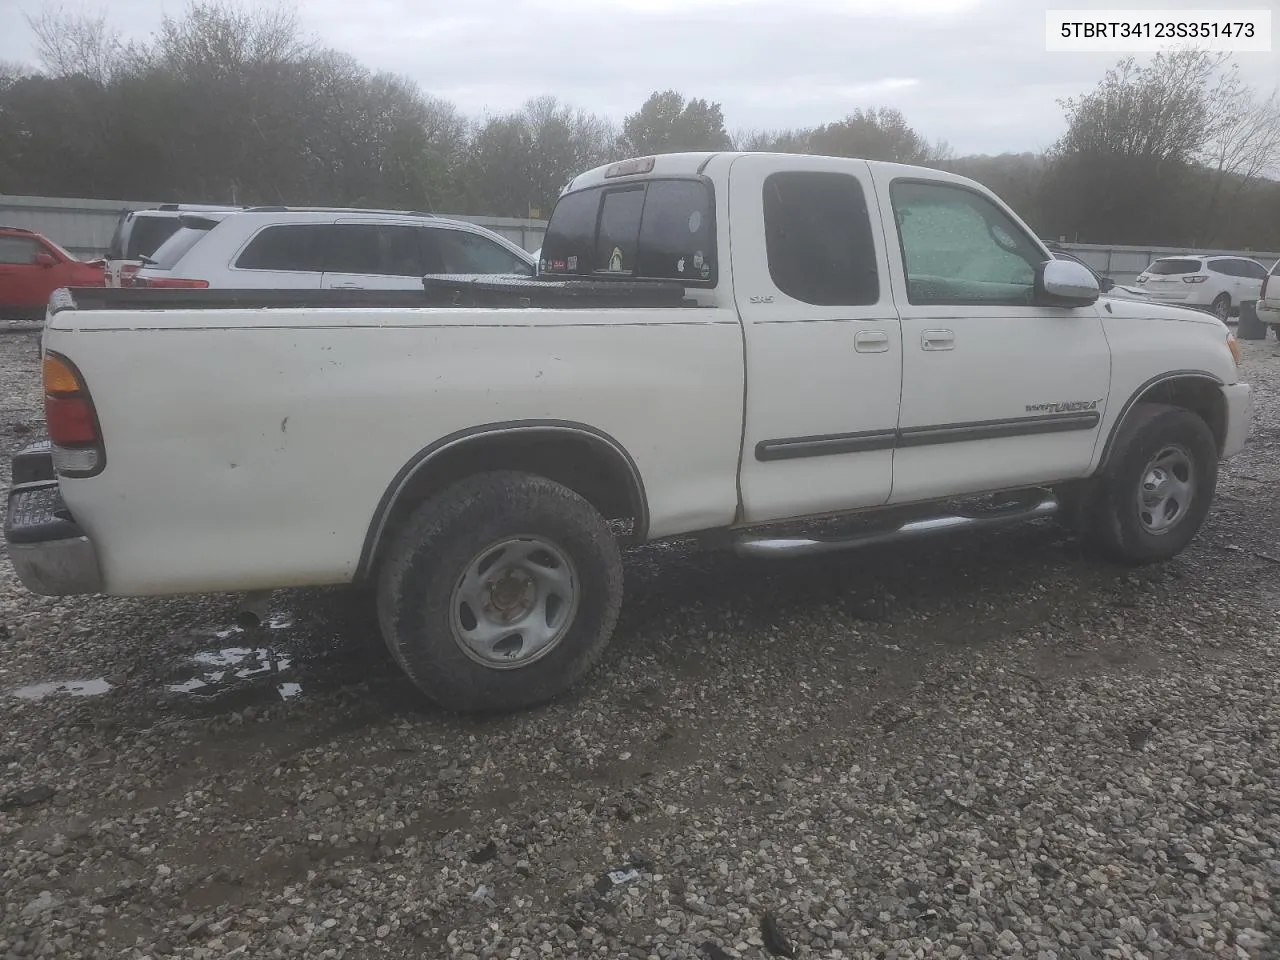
[1165,268]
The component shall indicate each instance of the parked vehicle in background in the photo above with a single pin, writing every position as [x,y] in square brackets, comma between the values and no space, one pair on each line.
[139,234]
[1269,299]
[1105,284]
[315,249]
[722,345]
[1218,283]
[32,267]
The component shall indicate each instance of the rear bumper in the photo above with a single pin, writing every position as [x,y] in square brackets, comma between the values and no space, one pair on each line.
[1269,310]
[49,552]
[1239,399]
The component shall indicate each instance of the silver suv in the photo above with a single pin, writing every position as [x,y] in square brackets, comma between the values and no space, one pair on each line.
[310,248]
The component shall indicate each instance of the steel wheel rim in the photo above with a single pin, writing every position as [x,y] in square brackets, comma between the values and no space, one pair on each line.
[514,602]
[1166,489]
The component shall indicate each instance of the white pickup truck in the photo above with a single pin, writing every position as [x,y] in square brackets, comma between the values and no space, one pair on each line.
[717,345]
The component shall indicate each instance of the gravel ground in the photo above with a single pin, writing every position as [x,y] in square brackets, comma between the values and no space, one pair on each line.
[978,747]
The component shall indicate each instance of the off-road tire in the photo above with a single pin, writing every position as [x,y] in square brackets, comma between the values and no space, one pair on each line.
[1110,518]
[430,554]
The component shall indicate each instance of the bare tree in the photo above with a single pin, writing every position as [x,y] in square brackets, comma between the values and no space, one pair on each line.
[1243,146]
[82,44]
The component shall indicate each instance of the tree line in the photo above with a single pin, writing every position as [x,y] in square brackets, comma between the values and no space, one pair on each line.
[230,104]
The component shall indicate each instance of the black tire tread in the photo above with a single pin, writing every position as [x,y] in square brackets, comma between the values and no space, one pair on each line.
[445,524]
[1105,522]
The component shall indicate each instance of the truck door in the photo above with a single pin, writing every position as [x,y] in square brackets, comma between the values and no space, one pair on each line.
[997,390]
[823,341]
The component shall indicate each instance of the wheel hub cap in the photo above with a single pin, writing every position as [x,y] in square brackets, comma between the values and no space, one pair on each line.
[514,602]
[511,597]
[1166,491]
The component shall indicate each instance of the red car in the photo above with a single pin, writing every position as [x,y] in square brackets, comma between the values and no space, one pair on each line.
[32,267]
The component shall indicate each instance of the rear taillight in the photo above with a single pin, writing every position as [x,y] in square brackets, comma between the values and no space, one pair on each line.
[170,283]
[74,433]
[1196,278]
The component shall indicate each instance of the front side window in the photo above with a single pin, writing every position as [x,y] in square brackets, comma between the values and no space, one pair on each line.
[818,238]
[463,252]
[18,250]
[1252,269]
[294,247]
[960,248]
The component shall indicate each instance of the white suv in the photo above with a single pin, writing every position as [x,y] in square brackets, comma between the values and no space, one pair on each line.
[1213,282]
[1269,300]
[140,233]
[280,248]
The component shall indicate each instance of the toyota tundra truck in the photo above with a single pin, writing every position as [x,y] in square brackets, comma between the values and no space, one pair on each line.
[723,347]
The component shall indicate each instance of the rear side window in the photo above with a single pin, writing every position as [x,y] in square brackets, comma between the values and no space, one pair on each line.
[656,230]
[376,249]
[818,238]
[295,247]
[1168,268]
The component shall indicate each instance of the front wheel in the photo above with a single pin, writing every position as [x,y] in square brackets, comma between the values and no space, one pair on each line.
[1157,488]
[500,592]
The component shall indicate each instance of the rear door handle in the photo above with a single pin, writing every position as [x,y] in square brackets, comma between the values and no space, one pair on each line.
[938,340]
[346,286]
[871,341]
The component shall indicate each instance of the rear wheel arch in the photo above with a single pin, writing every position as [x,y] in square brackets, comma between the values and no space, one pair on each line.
[1193,390]
[586,460]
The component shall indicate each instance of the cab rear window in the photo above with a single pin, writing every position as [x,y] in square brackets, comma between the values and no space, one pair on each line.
[654,230]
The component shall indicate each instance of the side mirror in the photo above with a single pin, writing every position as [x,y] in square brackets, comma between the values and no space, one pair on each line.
[45,260]
[1062,283]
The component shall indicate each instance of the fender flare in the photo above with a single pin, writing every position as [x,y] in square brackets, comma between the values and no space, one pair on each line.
[424,457]
[1127,410]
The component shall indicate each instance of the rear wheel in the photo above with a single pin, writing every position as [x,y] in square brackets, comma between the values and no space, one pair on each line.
[500,592]
[1157,488]
[1222,307]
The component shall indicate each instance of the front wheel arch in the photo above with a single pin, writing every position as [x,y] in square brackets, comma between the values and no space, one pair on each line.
[1193,390]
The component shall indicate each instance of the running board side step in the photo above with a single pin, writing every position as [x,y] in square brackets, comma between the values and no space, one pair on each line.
[909,530]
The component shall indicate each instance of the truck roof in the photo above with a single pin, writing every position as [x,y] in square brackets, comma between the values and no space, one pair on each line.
[690,163]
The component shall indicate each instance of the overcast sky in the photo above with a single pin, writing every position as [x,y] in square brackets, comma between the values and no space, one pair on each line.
[972,72]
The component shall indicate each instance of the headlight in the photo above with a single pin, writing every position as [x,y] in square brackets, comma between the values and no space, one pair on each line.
[1234,346]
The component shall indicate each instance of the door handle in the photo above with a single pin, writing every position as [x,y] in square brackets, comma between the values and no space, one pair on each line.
[346,286]
[871,341]
[938,340]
